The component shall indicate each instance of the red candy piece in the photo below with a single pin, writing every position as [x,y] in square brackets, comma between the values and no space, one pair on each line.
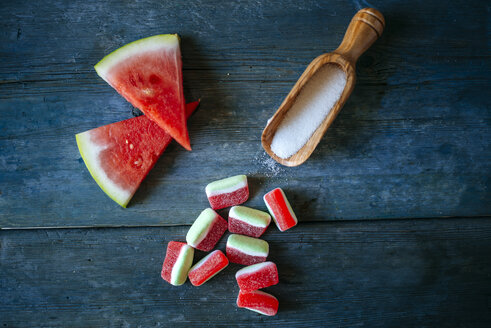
[225,200]
[217,229]
[280,209]
[248,221]
[257,276]
[238,257]
[246,250]
[227,192]
[207,267]
[178,260]
[206,231]
[237,226]
[259,302]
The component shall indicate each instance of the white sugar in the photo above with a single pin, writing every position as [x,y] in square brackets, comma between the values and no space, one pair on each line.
[314,102]
[268,166]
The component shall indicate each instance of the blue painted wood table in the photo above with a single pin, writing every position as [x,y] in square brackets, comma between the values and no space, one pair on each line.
[394,205]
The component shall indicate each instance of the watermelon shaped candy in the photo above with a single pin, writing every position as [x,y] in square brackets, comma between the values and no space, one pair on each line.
[148,73]
[120,155]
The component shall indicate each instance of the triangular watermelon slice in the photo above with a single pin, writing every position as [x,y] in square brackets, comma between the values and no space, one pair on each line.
[120,155]
[148,73]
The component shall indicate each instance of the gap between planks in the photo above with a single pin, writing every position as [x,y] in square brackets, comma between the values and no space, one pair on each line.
[335,221]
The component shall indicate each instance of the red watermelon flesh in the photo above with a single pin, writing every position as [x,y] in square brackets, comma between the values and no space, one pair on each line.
[148,73]
[120,155]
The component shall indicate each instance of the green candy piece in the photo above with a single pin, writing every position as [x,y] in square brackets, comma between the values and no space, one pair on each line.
[226,185]
[248,245]
[200,227]
[251,216]
[181,267]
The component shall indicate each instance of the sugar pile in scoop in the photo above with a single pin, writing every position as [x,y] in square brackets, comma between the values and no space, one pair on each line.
[313,104]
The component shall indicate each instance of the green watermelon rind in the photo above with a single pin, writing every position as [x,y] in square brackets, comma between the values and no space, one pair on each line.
[90,151]
[170,41]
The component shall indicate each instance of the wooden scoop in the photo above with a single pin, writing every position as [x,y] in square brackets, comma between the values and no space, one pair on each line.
[365,27]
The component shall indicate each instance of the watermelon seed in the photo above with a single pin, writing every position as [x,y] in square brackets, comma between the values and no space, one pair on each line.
[148,91]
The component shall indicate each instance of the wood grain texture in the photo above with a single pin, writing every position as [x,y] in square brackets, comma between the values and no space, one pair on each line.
[410,273]
[413,140]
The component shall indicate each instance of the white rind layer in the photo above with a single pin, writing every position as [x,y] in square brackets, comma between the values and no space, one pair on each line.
[256,310]
[275,219]
[198,265]
[245,248]
[153,43]
[264,294]
[202,261]
[222,187]
[226,191]
[290,210]
[250,252]
[201,227]
[184,260]
[253,268]
[195,242]
[90,154]
[258,218]
[289,206]
[270,210]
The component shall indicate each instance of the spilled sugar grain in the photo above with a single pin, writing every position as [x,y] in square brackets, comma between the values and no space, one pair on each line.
[272,167]
[269,167]
[314,102]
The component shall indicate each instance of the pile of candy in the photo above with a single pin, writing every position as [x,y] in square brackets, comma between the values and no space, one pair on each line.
[243,245]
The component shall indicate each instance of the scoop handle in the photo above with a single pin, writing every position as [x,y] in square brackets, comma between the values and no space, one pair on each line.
[366,26]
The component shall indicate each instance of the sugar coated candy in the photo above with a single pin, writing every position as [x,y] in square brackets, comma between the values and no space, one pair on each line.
[258,301]
[178,260]
[206,231]
[280,209]
[257,276]
[227,192]
[246,250]
[248,221]
[207,268]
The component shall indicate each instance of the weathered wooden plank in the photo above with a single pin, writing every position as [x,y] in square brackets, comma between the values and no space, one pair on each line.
[411,273]
[413,140]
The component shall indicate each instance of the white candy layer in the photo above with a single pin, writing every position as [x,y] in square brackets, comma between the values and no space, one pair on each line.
[264,294]
[250,216]
[248,245]
[226,186]
[184,260]
[202,261]
[290,210]
[201,227]
[252,268]
[289,206]
[256,310]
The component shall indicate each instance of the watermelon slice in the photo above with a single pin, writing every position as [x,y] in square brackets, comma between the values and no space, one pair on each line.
[120,155]
[148,73]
